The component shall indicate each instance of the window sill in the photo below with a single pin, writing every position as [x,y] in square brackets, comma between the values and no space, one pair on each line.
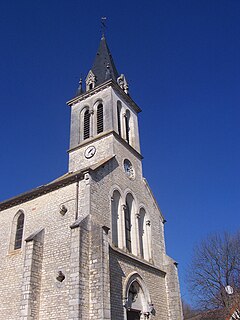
[14,252]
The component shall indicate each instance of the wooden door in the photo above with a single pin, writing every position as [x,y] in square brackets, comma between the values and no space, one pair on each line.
[133,315]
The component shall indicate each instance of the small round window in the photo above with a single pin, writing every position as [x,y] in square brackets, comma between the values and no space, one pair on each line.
[128,168]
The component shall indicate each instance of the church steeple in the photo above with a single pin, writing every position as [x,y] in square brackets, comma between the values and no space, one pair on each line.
[102,115]
[104,63]
[103,68]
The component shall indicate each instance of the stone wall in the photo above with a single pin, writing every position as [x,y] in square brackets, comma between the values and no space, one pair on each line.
[111,176]
[121,265]
[76,244]
[104,181]
[173,290]
[17,279]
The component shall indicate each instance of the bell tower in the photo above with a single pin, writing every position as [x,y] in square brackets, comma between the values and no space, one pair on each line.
[102,113]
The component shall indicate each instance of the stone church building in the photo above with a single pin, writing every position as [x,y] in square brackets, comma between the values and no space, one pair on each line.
[90,244]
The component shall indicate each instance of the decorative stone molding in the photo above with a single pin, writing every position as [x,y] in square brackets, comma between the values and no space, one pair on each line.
[63,210]
[60,277]
[152,309]
[125,303]
[148,223]
[86,176]
[105,229]
[80,87]
[122,82]
[90,80]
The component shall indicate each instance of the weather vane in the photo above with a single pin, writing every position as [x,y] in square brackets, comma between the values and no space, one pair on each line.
[103,25]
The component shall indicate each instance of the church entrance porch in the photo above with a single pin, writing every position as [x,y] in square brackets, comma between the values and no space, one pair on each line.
[137,302]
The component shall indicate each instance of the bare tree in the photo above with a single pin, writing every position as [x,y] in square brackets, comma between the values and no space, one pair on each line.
[188,311]
[214,275]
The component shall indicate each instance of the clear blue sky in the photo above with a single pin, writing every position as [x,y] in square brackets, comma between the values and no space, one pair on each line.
[181,58]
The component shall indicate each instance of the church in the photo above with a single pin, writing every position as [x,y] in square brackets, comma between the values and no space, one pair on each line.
[90,244]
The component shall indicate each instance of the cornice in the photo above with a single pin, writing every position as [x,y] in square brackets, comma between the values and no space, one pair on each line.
[89,93]
[90,140]
[105,134]
[109,83]
[127,145]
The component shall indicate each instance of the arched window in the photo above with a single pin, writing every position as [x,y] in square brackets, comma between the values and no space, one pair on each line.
[100,118]
[144,228]
[127,127]
[128,221]
[19,232]
[86,125]
[143,243]
[128,228]
[116,212]
[119,107]
[141,232]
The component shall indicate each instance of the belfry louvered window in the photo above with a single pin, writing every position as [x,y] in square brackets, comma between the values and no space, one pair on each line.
[86,125]
[100,118]
[19,232]
[119,117]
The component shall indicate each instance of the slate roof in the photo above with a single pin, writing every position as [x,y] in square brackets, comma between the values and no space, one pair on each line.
[103,66]
[60,182]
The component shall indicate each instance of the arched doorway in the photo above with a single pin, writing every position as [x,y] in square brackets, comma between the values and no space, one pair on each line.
[135,297]
[137,301]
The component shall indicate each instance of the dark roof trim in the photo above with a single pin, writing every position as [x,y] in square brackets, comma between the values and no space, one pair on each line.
[39,191]
[54,185]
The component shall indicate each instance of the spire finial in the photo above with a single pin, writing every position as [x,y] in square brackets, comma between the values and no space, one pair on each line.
[103,26]
[80,88]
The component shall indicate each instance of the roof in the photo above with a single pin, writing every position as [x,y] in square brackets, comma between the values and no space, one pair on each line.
[103,66]
[60,182]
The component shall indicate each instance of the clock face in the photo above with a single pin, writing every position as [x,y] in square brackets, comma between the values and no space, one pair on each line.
[128,168]
[90,152]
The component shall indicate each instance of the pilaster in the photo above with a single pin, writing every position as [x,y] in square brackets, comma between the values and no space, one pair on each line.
[173,290]
[79,271]
[32,270]
[99,283]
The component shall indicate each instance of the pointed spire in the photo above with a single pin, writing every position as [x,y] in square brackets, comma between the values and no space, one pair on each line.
[103,25]
[103,67]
